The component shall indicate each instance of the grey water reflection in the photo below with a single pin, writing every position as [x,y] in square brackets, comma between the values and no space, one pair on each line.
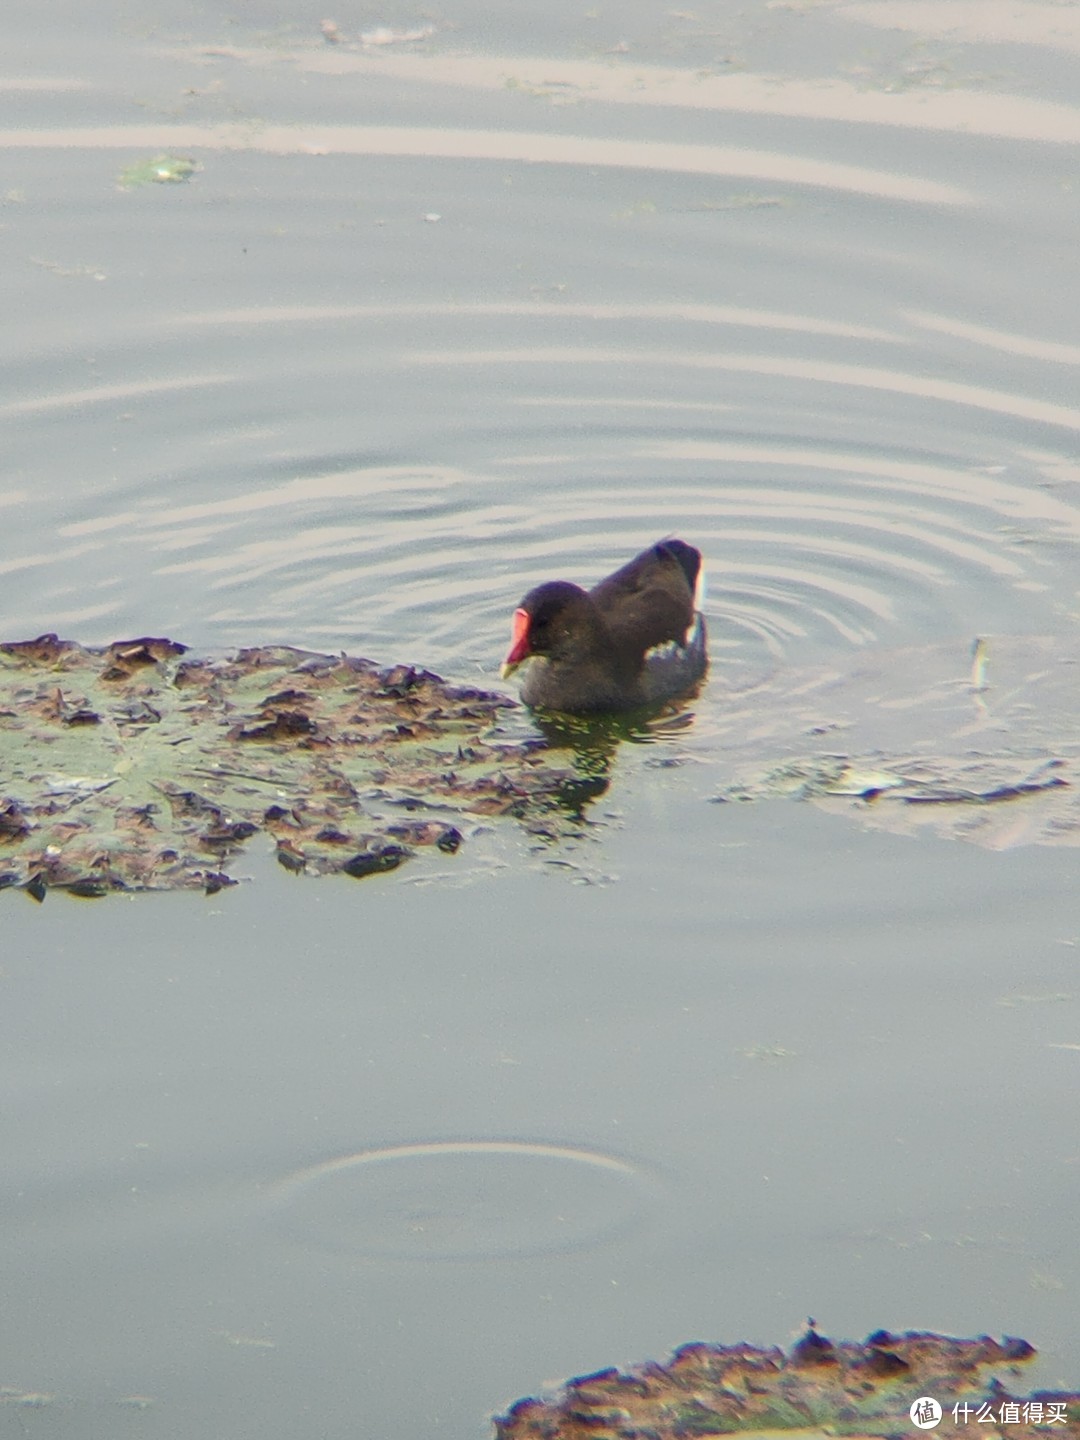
[438,318]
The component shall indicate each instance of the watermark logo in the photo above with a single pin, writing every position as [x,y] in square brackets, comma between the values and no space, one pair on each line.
[926,1413]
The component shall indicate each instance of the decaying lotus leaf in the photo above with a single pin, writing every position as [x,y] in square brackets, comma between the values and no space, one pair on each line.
[131,767]
[818,1388]
[920,740]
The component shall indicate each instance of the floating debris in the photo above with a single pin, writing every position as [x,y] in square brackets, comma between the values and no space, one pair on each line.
[957,788]
[384,35]
[979,661]
[159,170]
[974,744]
[91,272]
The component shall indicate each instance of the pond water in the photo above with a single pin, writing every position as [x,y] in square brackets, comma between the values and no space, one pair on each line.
[433,319]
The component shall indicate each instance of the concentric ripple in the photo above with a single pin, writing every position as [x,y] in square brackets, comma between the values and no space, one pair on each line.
[465,1200]
[408,371]
[828,519]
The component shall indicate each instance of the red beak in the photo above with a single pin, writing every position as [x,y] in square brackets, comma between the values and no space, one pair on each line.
[519,643]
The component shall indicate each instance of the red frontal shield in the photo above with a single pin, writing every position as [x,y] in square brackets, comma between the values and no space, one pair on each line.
[519,642]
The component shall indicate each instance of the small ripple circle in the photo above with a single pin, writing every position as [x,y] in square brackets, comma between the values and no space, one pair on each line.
[465,1200]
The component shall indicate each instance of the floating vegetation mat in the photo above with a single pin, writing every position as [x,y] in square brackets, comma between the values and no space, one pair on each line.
[890,1385]
[134,768]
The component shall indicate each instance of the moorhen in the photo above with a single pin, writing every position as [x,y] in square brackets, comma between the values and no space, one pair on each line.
[633,640]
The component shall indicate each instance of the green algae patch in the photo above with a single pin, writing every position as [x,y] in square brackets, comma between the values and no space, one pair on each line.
[886,1386]
[134,767]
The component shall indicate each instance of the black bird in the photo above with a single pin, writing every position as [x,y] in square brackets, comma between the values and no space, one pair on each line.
[635,639]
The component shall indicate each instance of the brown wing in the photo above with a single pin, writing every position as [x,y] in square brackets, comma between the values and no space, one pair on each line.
[651,599]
